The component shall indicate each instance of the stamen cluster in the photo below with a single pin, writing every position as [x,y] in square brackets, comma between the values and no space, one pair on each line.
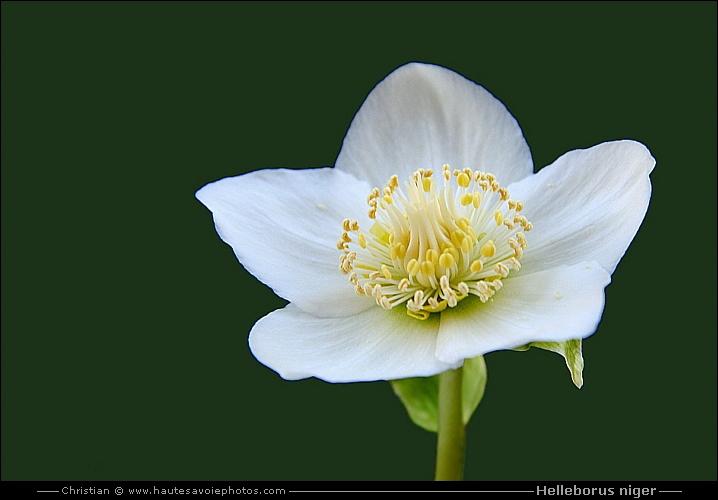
[430,247]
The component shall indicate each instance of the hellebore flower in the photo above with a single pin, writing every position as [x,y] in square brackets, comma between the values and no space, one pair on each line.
[432,240]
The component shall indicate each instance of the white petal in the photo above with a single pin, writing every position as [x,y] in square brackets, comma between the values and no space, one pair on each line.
[423,116]
[373,345]
[283,226]
[549,306]
[587,205]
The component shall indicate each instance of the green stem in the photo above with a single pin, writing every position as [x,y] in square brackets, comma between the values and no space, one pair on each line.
[451,436]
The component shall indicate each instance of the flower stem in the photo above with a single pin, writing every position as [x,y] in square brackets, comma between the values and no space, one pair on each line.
[451,439]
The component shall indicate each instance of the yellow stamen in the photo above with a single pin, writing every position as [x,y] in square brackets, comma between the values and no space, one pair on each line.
[385,271]
[476,266]
[446,260]
[427,247]
[489,249]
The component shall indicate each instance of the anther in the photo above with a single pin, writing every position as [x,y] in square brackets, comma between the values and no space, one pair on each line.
[501,269]
[432,256]
[521,239]
[476,266]
[413,267]
[385,271]
[489,249]
[428,268]
[477,200]
[444,283]
[514,263]
[466,244]
[467,199]
[446,260]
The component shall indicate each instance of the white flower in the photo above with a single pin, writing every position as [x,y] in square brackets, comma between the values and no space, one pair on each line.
[459,251]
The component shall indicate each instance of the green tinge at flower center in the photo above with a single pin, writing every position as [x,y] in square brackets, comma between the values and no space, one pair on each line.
[432,246]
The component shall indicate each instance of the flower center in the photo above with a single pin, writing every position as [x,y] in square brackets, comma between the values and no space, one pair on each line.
[431,247]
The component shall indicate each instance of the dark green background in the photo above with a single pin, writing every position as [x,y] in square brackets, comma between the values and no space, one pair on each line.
[125,318]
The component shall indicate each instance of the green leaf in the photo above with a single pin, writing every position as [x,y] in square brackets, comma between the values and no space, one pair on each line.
[420,395]
[571,351]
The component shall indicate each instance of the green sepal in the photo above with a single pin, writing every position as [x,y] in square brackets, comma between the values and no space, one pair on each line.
[571,350]
[420,395]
